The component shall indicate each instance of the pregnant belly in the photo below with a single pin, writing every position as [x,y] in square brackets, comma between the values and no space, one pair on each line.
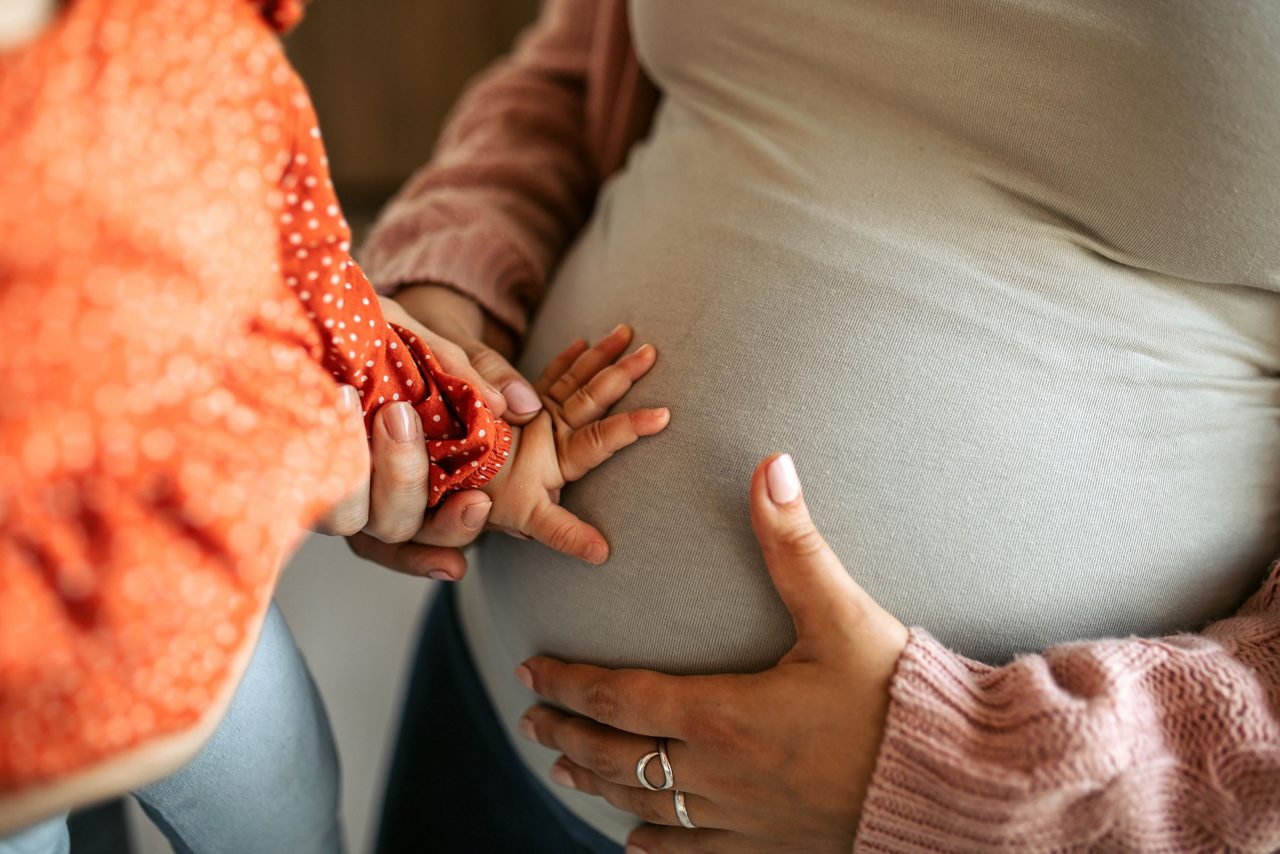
[1008,455]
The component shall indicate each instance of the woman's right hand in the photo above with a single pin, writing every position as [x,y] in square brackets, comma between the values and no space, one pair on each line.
[386,521]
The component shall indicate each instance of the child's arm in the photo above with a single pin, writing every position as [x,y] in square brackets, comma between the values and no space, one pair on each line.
[571,436]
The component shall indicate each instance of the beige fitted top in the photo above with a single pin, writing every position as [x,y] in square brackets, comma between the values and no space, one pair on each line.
[1002,276]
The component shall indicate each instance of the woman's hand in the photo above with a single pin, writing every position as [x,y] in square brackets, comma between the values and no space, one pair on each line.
[476,345]
[386,520]
[774,761]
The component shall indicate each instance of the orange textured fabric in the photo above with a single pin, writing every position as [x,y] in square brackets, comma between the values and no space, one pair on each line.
[176,300]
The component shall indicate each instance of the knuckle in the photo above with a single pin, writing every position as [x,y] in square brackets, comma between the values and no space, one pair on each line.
[601,701]
[408,470]
[389,531]
[345,519]
[801,540]
[449,352]
[599,758]
[713,730]
[488,363]
[646,807]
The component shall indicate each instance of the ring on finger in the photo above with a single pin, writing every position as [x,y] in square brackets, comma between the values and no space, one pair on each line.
[682,812]
[668,774]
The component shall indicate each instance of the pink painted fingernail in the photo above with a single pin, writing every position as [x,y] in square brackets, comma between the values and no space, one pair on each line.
[526,729]
[562,776]
[525,675]
[349,398]
[521,398]
[402,423]
[781,478]
[474,515]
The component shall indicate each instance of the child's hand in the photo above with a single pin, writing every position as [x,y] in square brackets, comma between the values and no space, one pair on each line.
[569,438]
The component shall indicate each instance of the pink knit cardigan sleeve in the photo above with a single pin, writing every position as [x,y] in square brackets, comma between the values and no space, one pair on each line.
[519,164]
[1114,745]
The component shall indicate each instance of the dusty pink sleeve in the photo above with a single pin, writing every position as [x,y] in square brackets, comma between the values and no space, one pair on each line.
[511,181]
[1170,744]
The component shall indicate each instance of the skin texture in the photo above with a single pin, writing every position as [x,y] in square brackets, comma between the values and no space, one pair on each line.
[567,434]
[405,538]
[826,700]
[773,761]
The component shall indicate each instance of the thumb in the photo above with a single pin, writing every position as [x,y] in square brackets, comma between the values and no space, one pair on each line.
[825,602]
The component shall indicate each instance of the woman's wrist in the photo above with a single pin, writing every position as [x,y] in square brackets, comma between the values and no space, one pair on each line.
[450,311]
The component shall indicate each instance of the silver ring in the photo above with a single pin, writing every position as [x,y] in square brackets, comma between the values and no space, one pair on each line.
[668,775]
[682,813]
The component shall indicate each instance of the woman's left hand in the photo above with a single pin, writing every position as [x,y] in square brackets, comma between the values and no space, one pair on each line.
[773,761]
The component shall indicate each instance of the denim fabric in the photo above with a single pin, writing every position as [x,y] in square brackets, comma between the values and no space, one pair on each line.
[266,782]
[456,785]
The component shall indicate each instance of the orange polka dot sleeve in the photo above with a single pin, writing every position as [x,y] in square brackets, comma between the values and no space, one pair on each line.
[177,299]
[466,444]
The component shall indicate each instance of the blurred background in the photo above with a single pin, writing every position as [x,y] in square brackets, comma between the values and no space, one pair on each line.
[383,74]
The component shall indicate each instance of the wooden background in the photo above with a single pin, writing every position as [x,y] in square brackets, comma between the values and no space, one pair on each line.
[383,74]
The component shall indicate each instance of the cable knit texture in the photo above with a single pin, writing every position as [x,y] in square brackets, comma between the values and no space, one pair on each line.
[1116,745]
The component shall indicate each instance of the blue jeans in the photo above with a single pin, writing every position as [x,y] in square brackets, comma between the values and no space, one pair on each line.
[456,784]
[267,781]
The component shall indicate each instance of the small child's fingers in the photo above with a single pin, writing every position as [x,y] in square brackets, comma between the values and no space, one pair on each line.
[559,365]
[589,363]
[600,440]
[606,388]
[554,526]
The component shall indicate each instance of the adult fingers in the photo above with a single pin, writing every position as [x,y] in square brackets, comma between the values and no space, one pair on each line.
[598,441]
[606,388]
[351,513]
[441,564]
[643,702]
[398,495]
[652,807]
[811,581]
[456,521]
[451,356]
[609,753]
[521,401]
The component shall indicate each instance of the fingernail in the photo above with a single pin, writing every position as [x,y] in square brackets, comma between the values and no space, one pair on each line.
[597,553]
[617,330]
[439,575]
[517,534]
[473,515]
[526,729]
[632,848]
[521,398]
[525,675]
[492,397]
[563,777]
[402,423]
[784,485]
[349,398]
